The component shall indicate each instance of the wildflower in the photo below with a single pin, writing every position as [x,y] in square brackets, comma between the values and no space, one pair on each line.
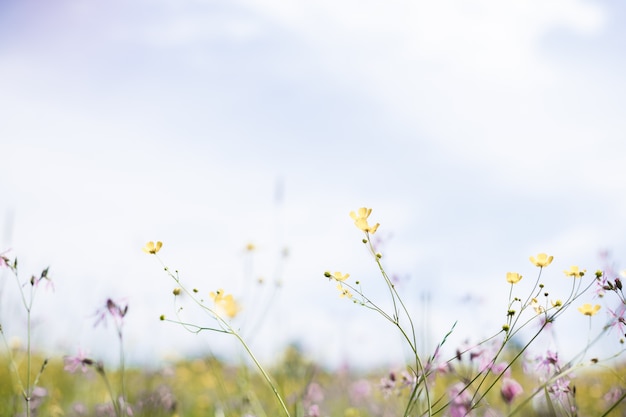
[152,248]
[226,303]
[314,393]
[559,388]
[113,309]
[536,306]
[4,261]
[35,281]
[575,272]
[617,319]
[360,391]
[313,411]
[360,220]
[613,395]
[589,310]
[250,247]
[542,260]
[548,363]
[74,363]
[343,292]
[339,276]
[513,277]
[387,385]
[510,390]
[460,400]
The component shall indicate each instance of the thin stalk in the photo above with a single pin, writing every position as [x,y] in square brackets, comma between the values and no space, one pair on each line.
[27,393]
[122,370]
[262,370]
[116,405]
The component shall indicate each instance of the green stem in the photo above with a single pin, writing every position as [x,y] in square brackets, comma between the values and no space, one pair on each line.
[116,405]
[265,375]
[122,370]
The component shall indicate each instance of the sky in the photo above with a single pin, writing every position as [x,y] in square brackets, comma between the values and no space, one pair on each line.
[480,132]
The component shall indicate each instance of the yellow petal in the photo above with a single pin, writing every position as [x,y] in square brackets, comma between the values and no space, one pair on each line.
[513,277]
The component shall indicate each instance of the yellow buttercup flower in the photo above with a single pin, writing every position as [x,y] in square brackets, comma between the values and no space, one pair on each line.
[589,310]
[542,260]
[360,220]
[226,303]
[575,272]
[513,277]
[343,292]
[152,247]
[534,303]
[339,276]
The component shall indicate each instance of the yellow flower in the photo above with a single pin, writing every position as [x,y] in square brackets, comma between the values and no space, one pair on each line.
[360,220]
[589,310]
[513,277]
[536,306]
[250,247]
[226,303]
[152,248]
[339,276]
[343,292]
[575,272]
[542,260]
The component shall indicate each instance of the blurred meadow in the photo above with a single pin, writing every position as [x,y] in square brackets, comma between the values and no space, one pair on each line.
[241,135]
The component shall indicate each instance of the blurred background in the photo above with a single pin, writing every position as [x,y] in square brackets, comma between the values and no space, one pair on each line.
[480,133]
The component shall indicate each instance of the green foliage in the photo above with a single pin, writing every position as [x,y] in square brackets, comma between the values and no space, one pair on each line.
[210,387]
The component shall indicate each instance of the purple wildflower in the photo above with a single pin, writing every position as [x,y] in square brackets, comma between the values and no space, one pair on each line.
[313,411]
[115,310]
[559,388]
[460,400]
[360,390]
[613,395]
[617,319]
[510,390]
[314,393]
[548,363]
[74,363]
[4,261]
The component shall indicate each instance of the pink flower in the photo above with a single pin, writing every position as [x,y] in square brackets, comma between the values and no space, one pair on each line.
[617,319]
[360,390]
[113,309]
[460,400]
[80,361]
[510,390]
[313,411]
[560,388]
[4,261]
